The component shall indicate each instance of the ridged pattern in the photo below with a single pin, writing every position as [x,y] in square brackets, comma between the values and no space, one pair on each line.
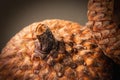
[106,32]
[78,57]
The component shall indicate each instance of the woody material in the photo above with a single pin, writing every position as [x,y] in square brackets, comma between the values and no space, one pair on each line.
[106,32]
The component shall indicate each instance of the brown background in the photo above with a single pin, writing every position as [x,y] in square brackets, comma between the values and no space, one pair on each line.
[16,14]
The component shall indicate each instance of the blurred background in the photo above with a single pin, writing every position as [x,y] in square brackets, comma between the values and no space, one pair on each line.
[16,14]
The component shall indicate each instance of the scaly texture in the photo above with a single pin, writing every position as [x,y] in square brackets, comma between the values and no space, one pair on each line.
[105,30]
[54,50]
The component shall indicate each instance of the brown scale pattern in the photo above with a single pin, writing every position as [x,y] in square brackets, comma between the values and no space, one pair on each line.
[106,32]
[73,56]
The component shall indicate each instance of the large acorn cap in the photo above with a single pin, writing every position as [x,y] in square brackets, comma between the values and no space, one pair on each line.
[69,54]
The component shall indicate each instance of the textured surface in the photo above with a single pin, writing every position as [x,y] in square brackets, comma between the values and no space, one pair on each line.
[76,58]
[106,31]
[15,15]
